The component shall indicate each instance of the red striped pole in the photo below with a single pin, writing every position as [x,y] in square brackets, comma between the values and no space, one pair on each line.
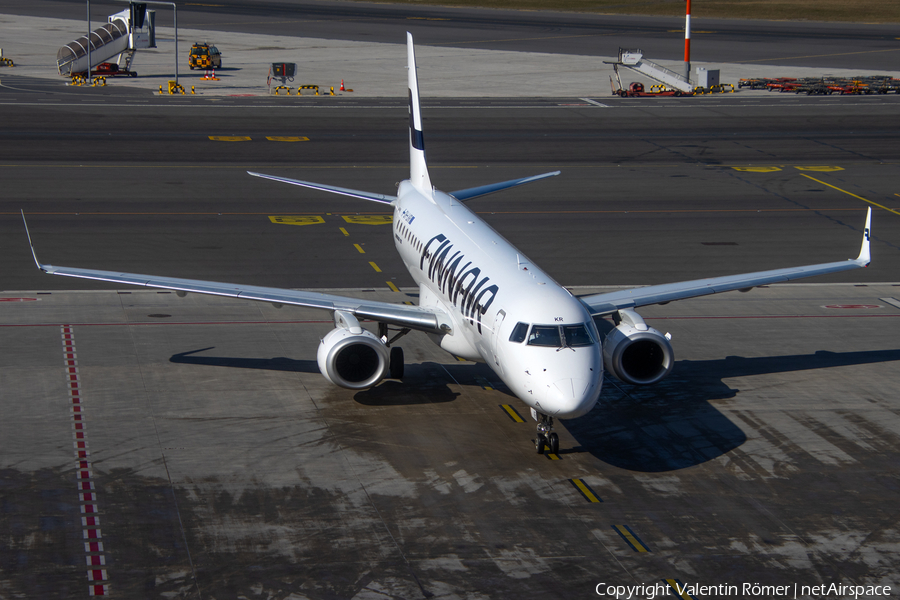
[687,42]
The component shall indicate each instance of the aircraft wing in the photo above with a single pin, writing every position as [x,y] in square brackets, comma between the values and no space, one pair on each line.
[607,303]
[414,317]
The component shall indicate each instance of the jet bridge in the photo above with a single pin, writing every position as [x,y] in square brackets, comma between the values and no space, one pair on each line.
[634,59]
[124,33]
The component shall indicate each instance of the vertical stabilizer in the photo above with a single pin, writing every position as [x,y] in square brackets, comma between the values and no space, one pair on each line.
[418,169]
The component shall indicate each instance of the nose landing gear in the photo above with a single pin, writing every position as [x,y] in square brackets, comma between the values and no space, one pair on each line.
[547,439]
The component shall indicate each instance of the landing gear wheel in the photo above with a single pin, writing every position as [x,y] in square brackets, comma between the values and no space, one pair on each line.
[553,442]
[546,436]
[396,363]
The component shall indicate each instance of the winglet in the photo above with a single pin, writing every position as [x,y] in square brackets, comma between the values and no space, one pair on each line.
[418,168]
[865,257]
[30,245]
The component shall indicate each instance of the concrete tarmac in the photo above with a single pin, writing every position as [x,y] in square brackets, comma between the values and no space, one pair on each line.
[373,69]
[160,447]
[221,464]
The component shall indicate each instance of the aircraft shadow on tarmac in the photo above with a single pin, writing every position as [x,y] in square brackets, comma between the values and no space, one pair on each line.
[423,383]
[278,363]
[672,425]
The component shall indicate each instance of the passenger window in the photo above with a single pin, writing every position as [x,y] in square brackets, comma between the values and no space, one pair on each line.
[577,335]
[519,333]
[545,335]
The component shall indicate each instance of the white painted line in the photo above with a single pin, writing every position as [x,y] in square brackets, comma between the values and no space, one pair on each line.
[892,301]
[594,102]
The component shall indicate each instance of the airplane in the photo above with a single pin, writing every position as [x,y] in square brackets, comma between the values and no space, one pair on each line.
[482,299]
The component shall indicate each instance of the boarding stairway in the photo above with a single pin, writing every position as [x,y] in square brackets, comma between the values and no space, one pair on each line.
[121,35]
[634,59]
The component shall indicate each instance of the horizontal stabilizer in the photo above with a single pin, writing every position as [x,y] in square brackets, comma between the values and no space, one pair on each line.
[383,199]
[468,194]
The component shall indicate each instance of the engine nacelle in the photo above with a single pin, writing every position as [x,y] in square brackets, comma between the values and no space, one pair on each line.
[635,353]
[356,360]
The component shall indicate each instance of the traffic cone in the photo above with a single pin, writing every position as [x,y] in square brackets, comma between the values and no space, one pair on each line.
[342,86]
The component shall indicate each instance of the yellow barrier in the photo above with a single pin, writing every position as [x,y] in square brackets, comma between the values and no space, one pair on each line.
[308,87]
[6,62]
[283,87]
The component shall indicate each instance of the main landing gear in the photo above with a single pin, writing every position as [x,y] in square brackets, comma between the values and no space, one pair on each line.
[396,364]
[546,437]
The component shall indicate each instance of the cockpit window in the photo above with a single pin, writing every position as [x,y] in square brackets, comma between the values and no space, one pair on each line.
[544,335]
[577,335]
[519,333]
[555,336]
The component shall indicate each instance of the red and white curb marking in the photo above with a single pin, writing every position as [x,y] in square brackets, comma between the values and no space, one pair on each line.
[84,477]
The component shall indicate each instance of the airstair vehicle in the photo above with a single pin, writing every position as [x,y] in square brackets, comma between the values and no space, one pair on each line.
[634,59]
[124,33]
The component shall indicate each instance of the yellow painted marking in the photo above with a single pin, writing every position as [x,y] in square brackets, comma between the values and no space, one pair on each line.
[344,231]
[823,169]
[674,585]
[374,266]
[392,286]
[280,138]
[408,302]
[358,247]
[508,409]
[552,456]
[851,194]
[459,358]
[229,138]
[757,169]
[369,219]
[585,490]
[631,539]
[297,219]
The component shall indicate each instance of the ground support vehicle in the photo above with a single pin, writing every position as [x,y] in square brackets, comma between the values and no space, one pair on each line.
[636,90]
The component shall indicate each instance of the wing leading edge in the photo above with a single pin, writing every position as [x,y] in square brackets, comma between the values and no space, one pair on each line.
[414,317]
[601,304]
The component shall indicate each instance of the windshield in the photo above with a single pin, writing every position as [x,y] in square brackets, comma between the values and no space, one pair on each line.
[577,335]
[544,335]
[559,336]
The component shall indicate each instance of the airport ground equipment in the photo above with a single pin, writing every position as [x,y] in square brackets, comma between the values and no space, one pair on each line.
[875,84]
[5,62]
[636,90]
[280,73]
[204,56]
[634,59]
[123,34]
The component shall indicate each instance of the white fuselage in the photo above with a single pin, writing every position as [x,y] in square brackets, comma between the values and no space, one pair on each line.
[487,287]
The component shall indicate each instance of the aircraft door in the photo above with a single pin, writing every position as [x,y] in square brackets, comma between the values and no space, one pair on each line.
[495,337]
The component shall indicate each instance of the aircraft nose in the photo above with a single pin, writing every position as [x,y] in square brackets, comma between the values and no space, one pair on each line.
[573,397]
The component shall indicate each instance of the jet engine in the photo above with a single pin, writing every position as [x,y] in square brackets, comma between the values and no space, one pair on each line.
[352,357]
[635,353]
